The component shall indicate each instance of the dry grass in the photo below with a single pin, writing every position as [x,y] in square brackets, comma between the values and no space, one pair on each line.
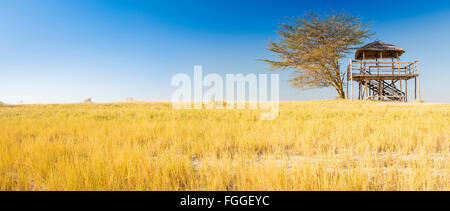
[324,145]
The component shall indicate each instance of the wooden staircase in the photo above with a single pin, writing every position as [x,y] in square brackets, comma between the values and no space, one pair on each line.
[389,91]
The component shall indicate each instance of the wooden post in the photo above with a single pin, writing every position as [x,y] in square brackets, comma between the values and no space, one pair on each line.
[418,79]
[361,71]
[379,90]
[406,90]
[347,81]
[393,67]
[365,90]
[415,88]
[364,61]
[378,69]
[398,68]
[351,77]
[359,90]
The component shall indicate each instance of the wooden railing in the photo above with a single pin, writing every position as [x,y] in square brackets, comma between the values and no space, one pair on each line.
[380,67]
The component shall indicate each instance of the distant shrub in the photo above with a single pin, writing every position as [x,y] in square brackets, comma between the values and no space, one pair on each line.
[129,99]
[89,100]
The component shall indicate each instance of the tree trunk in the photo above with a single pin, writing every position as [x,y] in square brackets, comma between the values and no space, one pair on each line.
[340,91]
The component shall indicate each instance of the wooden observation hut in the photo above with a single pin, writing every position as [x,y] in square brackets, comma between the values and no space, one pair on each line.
[381,75]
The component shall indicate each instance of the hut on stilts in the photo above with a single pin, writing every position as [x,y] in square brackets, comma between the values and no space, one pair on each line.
[381,75]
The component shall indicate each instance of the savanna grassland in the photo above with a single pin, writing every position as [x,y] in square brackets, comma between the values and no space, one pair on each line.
[320,145]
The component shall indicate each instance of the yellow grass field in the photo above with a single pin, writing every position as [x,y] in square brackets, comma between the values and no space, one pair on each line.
[318,145]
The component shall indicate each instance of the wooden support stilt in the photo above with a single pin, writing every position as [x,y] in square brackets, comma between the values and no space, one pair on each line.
[351,77]
[399,72]
[379,90]
[364,91]
[367,91]
[418,80]
[406,91]
[346,96]
[359,90]
[415,89]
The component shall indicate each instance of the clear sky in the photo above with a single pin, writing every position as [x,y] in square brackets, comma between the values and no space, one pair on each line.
[61,51]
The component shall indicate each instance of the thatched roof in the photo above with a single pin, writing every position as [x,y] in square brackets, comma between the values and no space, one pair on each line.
[373,50]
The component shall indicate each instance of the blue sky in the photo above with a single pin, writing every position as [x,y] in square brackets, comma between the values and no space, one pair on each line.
[62,51]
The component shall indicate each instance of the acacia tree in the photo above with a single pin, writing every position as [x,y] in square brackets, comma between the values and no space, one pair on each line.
[313,45]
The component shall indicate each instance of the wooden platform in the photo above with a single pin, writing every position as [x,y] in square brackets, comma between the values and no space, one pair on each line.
[362,77]
[382,80]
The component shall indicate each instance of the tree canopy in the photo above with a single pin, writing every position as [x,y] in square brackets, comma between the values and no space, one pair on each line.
[312,47]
